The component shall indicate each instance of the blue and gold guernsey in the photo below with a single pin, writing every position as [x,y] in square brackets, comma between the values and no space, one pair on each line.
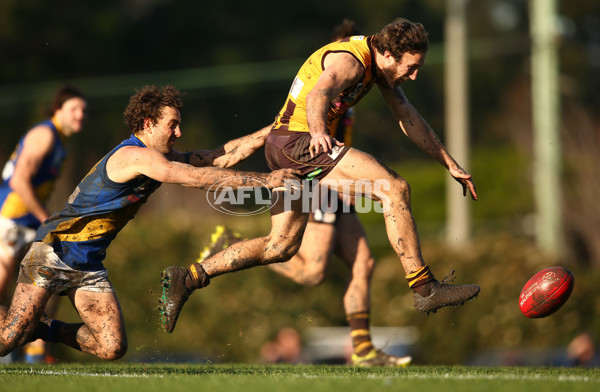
[95,212]
[11,205]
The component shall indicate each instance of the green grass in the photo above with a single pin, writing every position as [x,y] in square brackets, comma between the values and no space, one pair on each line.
[245,378]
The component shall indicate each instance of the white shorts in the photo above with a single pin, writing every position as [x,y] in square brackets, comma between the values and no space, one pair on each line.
[13,237]
[42,267]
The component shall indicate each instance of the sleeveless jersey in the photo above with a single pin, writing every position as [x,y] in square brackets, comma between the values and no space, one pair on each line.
[292,116]
[11,205]
[95,212]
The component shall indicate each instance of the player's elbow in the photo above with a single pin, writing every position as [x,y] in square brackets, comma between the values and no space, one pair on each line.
[280,251]
[17,183]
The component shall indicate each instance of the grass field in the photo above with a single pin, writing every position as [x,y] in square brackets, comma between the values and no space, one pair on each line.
[256,378]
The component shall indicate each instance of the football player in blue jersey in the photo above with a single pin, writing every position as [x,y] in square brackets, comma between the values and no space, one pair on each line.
[27,181]
[67,254]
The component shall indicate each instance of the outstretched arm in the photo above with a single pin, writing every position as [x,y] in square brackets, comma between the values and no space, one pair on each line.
[227,155]
[130,162]
[238,150]
[420,133]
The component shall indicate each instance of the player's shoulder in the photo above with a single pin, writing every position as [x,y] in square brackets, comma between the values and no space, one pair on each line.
[40,137]
[41,130]
[355,46]
[351,44]
[129,152]
[129,161]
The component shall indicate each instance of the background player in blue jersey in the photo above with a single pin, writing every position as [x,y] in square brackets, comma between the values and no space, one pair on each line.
[27,181]
[67,255]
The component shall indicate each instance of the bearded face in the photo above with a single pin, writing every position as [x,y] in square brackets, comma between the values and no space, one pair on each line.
[395,72]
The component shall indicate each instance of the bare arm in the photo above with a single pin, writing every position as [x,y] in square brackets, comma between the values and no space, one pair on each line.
[227,155]
[130,162]
[420,133]
[36,145]
[341,70]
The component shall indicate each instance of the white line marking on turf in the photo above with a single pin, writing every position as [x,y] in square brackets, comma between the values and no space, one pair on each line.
[88,374]
[450,376]
[399,376]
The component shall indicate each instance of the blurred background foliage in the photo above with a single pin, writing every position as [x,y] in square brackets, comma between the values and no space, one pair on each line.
[235,61]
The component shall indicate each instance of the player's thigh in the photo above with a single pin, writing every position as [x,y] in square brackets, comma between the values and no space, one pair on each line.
[101,313]
[358,172]
[317,243]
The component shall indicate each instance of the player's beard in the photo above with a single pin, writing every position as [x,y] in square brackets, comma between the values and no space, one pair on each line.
[167,146]
[75,127]
[391,78]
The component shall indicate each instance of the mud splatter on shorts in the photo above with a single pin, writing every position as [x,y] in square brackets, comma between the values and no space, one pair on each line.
[43,267]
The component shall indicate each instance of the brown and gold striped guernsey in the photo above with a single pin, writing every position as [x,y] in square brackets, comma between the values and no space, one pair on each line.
[292,116]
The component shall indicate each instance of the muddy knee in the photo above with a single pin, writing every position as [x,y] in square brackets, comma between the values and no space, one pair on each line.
[113,352]
[281,251]
[4,348]
[11,338]
[313,278]
[7,346]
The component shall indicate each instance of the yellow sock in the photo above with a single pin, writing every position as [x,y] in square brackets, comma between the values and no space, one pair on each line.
[419,277]
[360,334]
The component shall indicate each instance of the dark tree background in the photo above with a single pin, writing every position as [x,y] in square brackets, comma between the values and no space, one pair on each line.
[235,61]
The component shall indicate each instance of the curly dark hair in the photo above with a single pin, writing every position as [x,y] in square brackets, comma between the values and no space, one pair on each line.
[148,103]
[63,94]
[346,29]
[401,36]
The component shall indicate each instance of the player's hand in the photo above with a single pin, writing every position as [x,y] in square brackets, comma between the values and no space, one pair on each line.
[277,178]
[465,180]
[323,141]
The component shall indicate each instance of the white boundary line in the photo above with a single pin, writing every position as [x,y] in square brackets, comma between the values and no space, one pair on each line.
[450,376]
[32,372]
[401,375]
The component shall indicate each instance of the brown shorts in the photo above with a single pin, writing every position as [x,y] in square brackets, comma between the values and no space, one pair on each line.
[42,267]
[287,149]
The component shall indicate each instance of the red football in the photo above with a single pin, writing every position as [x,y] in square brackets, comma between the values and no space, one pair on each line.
[546,292]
